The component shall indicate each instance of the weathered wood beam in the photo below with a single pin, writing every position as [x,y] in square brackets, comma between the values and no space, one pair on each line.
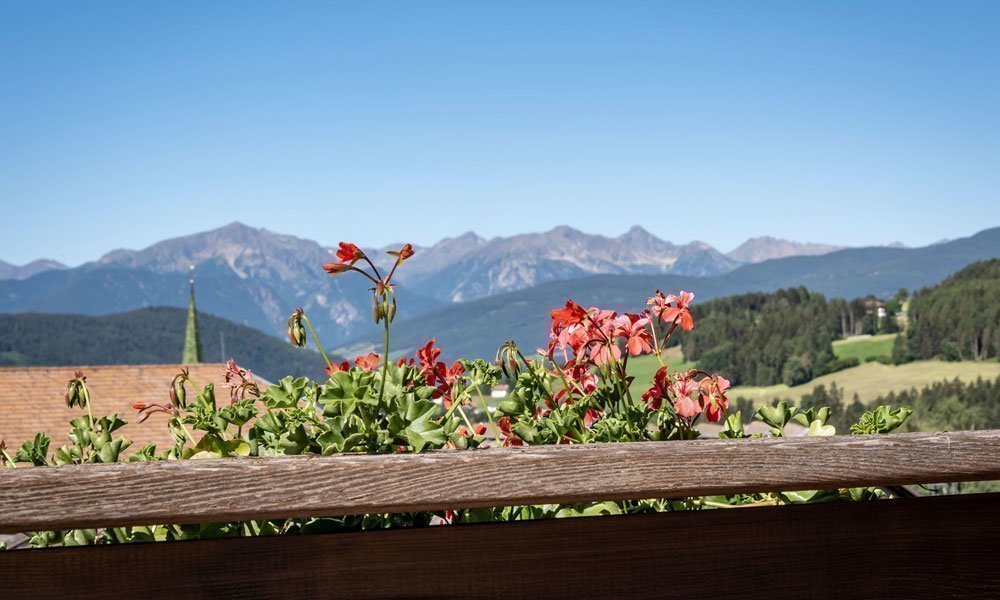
[198,491]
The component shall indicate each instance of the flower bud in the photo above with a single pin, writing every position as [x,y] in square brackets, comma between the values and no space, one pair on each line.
[391,313]
[377,312]
[178,395]
[76,391]
[296,332]
[507,357]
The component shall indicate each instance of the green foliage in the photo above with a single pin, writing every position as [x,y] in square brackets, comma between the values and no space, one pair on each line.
[881,420]
[764,339]
[960,318]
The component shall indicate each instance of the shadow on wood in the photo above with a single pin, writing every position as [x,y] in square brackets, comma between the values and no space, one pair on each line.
[915,548]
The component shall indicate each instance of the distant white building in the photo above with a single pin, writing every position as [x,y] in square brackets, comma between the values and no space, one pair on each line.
[499,391]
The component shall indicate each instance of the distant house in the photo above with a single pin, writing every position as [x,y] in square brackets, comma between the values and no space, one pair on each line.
[499,391]
[876,306]
[32,399]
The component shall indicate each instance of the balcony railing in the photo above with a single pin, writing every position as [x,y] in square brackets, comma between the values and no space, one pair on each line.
[921,547]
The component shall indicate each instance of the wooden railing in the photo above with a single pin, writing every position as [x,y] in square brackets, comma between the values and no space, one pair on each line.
[893,548]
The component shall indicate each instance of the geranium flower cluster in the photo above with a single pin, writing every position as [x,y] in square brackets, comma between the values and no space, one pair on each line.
[447,380]
[597,341]
[691,393]
[599,336]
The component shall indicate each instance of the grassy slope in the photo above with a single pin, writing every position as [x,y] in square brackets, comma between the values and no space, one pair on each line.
[862,348]
[871,380]
[643,368]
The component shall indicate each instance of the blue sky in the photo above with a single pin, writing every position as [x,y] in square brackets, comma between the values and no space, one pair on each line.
[844,122]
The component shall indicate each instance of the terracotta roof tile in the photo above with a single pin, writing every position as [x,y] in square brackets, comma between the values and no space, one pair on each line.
[32,399]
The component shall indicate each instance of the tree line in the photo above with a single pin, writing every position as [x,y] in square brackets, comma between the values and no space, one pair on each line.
[781,337]
[959,319]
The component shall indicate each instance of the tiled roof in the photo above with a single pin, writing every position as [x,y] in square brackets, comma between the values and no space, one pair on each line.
[32,399]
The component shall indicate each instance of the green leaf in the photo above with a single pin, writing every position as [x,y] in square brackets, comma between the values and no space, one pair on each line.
[422,431]
[818,429]
[591,509]
[34,450]
[212,446]
[286,394]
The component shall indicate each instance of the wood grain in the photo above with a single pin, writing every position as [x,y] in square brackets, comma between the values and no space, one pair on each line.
[33,499]
[918,548]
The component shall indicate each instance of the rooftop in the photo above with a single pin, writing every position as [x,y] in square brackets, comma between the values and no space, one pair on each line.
[32,399]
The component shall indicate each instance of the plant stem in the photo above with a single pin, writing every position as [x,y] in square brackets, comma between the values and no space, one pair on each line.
[538,380]
[489,416]
[198,390]
[466,419]
[187,433]
[90,415]
[385,364]
[8,459]
[312,332]
[656,344]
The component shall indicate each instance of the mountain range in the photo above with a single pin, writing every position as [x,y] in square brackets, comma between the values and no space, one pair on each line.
[256,277]
[9,271]
[478,327]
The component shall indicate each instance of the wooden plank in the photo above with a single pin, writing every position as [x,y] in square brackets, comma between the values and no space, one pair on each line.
[201,491]
[917,548]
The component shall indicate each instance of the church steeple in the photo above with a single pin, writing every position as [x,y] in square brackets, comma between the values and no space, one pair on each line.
[192,345]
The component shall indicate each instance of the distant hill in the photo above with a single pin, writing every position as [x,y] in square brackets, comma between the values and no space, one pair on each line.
[856,272]
[476,328]
[763,248]
[152,335]
[9,271]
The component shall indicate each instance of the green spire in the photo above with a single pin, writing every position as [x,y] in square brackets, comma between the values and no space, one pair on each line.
[192,345]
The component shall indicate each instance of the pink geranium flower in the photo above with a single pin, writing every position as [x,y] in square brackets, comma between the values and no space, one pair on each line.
[685,392]
[673,309]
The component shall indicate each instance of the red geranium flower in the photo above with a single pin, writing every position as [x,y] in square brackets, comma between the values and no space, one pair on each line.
[349,253]
[653,397]
[509,439]
[428,355]
[592,416]
[334,367]
[573,314]
[661,383]
[713,397]
[368,362]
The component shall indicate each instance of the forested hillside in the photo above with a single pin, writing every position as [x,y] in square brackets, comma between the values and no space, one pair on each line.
[960,318]
[152,335]
[763,339]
